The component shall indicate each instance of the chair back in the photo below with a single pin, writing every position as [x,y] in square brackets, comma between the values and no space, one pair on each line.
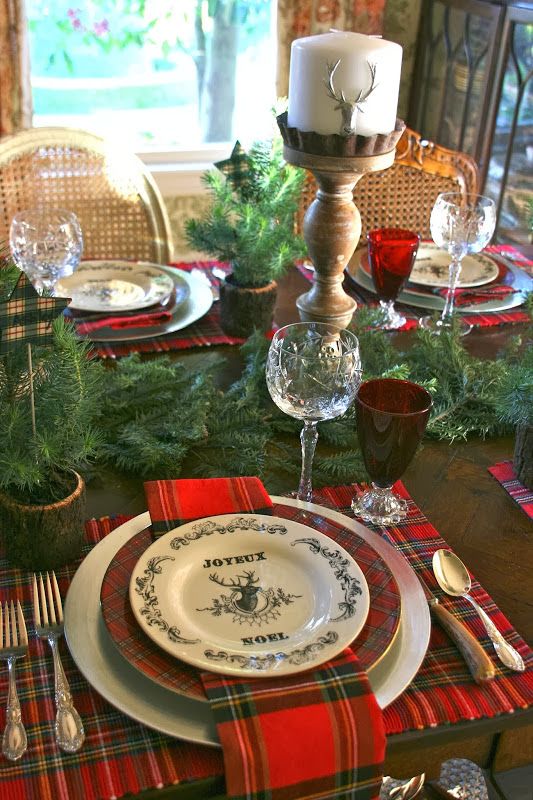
[120,208]
[403,195]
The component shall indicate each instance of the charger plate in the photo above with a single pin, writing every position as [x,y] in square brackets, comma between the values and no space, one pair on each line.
[249,595]
[370,646]
[172,714]
[115,286]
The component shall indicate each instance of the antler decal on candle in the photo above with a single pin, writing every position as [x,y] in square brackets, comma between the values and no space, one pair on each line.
[349,108]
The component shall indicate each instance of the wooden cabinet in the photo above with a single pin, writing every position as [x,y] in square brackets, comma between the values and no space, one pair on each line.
[473,90]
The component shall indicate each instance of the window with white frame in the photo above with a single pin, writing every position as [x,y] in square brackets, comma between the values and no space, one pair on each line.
[162,76]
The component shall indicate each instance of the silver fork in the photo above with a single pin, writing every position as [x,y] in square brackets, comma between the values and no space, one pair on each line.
[48,615]
[13,645]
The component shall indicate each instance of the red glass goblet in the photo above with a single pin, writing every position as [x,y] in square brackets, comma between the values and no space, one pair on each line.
[391,419]
[391,254]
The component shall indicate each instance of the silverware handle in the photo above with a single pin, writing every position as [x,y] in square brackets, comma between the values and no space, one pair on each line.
[69,731]
[14,740]
[478,662]
[505,651]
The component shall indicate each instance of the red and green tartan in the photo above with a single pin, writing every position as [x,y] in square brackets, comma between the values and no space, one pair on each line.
[121,757]
[505,474]
[269,727]
[315,735]
[172,503]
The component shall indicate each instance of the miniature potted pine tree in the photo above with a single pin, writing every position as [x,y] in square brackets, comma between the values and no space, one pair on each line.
[250,225]
[49,393]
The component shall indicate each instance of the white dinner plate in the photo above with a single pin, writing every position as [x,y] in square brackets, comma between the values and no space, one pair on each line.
[249,595]
[137,696]
[431,267]
[197,304]
[421,299]
[116,286]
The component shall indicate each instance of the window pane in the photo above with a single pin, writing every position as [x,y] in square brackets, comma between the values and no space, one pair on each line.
[167,73]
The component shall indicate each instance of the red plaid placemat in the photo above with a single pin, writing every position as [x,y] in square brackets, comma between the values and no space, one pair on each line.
[505,474]
[269,727]
[443,690]
[374,640]
[121,757]
[203,333]
[412,314]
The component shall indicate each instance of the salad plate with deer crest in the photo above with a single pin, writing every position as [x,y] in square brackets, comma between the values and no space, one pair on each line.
[251,595]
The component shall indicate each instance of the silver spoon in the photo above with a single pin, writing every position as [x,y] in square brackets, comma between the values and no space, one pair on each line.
[453,578]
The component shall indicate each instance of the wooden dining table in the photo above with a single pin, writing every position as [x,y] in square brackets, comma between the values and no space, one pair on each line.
[472,512]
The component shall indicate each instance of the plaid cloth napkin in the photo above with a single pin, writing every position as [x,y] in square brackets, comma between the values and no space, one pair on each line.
[319,734]
[468,297]
[173,503]
[505,474]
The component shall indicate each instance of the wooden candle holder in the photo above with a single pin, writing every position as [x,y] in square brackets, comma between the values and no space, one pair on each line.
[331,229]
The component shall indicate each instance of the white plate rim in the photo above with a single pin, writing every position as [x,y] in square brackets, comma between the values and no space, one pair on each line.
[191,310]
[337,577]
[118,264]
[436,303]
[173,714]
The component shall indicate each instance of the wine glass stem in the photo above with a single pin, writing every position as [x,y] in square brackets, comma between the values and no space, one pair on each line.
[308,438]
[449,306]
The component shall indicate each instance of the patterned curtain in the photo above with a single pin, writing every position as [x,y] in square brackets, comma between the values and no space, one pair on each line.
[15,89]
[396,19]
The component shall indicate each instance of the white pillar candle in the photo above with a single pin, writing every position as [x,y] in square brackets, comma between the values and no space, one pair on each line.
[335,99]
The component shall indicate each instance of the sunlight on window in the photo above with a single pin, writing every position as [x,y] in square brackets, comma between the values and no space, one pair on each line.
[155,73]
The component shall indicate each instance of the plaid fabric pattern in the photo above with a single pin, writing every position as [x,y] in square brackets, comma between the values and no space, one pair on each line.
[505,474]
[314,735]
[412,314]
[203,333]
[377,635]
[119,756]
[268,728]
[236,168]
[443,690]
[27,317]
[172,503]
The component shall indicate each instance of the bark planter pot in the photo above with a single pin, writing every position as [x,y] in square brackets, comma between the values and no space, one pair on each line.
[244,310]
[43,537]
[523,455]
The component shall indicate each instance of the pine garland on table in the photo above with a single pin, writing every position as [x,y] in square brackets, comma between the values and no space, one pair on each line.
[158,414]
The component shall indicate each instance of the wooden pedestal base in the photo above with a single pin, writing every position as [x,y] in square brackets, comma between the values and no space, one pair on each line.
[332,227]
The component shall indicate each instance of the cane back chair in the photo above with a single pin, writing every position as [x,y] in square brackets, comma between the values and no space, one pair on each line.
[404,194]
[121,211]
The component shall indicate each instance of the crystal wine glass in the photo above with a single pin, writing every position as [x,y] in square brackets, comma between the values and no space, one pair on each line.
[391,419]
[391,254]
[313,370]
[46,244]
[460,224]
